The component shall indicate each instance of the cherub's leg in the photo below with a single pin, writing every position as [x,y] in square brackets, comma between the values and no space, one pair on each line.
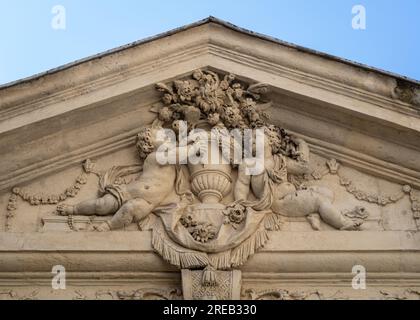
[331,215]
[305,202]
[103,206]
[297,204]
[335,218]
[133,210]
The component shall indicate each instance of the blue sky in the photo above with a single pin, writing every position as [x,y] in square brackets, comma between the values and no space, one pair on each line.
[29,45]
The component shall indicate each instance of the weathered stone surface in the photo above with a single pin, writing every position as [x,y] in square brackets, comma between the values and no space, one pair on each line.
[339,186]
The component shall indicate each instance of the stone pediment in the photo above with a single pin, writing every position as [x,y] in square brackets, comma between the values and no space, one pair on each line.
[339,99]
[361,126]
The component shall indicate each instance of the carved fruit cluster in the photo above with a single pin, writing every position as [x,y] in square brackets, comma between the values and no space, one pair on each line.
[205,97]
[200,231]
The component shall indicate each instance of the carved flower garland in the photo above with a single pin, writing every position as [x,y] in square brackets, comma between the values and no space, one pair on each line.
[382,200]
[45,199]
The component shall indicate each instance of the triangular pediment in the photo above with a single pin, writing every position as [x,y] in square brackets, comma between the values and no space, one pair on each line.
[343,158]
[342,107]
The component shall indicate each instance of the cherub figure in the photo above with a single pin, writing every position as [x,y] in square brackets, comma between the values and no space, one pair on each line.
[274,192]
[134,201]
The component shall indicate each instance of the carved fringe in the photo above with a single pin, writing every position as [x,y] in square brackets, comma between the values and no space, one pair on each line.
[247,248]
[174,256]
[185,259]
[273,222]
[220,261]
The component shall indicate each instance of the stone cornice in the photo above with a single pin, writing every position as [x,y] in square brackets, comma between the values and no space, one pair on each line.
[130,62]
[310,76]
[349,89]
[224,24]
[380,252]
[249,279]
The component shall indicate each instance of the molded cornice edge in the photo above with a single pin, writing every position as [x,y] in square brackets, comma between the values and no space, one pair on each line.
[351,89]
[286,252]
[219,38]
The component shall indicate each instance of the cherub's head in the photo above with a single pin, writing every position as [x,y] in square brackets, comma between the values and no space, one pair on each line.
[147,141]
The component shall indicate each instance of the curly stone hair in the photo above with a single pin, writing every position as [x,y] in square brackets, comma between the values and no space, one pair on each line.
[144,143]
[274,134]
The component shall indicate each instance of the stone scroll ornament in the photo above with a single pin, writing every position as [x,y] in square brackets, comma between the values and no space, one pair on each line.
[212,216]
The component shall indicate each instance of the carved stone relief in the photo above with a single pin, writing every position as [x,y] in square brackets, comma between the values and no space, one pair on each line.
[150,293]
[329,294]
[211,217]
[95,294]
[225,287]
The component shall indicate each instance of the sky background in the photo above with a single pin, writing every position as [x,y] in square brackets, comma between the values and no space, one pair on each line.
[29,44]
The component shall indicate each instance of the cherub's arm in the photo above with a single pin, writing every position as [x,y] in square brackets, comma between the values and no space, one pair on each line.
[301,165]
[242,185]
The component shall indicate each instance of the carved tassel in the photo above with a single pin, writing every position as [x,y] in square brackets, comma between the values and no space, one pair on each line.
[209,278]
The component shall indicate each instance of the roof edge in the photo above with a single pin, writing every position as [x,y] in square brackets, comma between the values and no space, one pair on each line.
[226,24]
